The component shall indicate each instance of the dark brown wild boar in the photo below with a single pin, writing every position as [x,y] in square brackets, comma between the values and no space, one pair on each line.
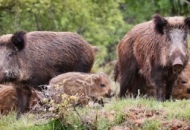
[153,53]
[8,99]
[82,84]
[32,59]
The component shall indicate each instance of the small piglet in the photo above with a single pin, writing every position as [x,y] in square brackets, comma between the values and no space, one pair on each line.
[94,86]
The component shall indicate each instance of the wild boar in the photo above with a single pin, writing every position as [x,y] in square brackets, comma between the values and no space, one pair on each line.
[153,53]
[81,84]
[9,101]
[30,59]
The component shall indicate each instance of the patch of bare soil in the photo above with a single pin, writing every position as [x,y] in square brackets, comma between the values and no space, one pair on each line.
[176,124]
[135,118]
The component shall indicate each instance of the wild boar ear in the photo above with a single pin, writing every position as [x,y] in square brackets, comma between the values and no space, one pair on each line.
[18,39]
[187,22]
[102,74]
[95,78]
[159,23]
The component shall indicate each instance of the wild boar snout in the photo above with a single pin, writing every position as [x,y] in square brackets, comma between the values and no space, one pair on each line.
[177,64]
[110,94]
[188,91]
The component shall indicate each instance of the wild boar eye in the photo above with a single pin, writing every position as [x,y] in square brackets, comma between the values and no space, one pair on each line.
[183,82]
[188,91]
[169,38]
[9,55]
[102,85]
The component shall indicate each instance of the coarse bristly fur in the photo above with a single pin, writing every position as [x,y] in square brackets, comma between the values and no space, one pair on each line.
[150,55]
[32,59]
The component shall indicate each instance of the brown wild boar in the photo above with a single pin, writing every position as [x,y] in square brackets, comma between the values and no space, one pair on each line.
[30,59]
[8,99]
[153,53]
[82,84]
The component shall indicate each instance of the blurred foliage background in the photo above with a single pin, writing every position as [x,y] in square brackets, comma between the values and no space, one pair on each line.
[101,22]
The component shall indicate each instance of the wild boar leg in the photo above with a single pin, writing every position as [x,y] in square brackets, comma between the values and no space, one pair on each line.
[23,97]
[158,81]
[169,88]
[128,75]
[160,92]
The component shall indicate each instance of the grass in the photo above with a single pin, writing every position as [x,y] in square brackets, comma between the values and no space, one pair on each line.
[118,114]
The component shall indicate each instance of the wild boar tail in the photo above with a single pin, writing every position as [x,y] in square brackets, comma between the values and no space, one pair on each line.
[95,49]
[116,71]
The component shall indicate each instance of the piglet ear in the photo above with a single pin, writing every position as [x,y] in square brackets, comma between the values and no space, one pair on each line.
[187,21]
[96,78]
[18,39]
[102,75]
[160,23]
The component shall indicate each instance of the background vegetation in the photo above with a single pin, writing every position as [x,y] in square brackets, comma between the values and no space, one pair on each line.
[101,22]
